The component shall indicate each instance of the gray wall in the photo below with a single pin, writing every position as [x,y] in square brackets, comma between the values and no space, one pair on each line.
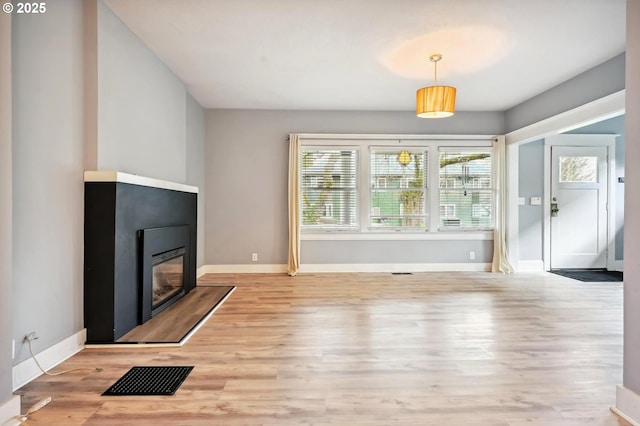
[5,209]
[600,81]
[395,252]
[155,116]
[531,184]
[631,361]
[246,182]
[47,175]
[196,165]
[141,106]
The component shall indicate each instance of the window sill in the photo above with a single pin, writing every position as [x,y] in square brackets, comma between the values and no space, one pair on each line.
[397,236]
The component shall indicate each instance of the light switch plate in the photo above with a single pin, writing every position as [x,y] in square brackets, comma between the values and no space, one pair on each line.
[521,201]
[535,201]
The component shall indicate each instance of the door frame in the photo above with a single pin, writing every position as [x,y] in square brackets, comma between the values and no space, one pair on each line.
[597,110]
[608,141]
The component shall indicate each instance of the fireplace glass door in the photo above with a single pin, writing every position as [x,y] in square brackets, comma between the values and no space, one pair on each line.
[168,276]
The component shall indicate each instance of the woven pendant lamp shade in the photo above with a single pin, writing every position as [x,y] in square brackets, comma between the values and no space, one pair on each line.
[435,101]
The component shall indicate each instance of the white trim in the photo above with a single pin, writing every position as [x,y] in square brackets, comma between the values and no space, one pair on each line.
[27,370]
[398,236]
[116,176]
[182,341]
[244,269]
[132,345]
[531,266]
[394,267]
[611,204]
[512,230]
[349,267]
[388,141]
[393,137]
[9,410]
[601,109]
[201,271]
[546,200]
[579,139]
[596,140]
[618,265]
[627,405]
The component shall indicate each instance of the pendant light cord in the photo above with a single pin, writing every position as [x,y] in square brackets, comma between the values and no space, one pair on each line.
[435,72]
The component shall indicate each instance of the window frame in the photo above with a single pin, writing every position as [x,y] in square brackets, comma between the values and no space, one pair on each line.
[403,185]
[432,144]
[309,229]
[472,188]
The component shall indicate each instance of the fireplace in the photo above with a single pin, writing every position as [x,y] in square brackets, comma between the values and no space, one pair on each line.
[164,254]
[128,220]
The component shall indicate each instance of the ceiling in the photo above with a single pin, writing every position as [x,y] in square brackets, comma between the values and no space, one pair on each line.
[373,54]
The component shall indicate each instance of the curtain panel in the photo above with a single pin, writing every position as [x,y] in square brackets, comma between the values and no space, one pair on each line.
[501,261]
[294,205]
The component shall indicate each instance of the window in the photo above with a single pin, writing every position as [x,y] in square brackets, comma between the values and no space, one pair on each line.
[376,186]
[578,169]
[466,183]
[447,210]
[401,203]
[329,188]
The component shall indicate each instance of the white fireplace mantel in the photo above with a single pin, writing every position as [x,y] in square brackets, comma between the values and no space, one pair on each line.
[116,176]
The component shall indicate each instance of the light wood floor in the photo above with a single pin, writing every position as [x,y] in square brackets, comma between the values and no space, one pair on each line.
[372,349]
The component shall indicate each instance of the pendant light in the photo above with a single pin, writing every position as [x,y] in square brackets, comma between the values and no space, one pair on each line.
[435,101]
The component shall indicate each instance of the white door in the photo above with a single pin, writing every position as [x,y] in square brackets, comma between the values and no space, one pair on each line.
[578,207]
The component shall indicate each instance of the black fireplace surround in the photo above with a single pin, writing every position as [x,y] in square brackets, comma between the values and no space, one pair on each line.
[115,212]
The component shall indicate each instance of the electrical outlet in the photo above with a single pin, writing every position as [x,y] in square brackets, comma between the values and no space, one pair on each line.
[254,257]
[472,255]
[30,337]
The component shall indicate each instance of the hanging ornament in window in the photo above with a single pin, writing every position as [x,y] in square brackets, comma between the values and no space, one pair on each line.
[404,158]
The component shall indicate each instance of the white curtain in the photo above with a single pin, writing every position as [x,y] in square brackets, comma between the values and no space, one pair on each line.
[294,205]
[500,258]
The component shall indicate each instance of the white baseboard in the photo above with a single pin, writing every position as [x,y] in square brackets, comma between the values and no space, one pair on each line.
[243,269]
[27,370]
[9,410]
[394,267]
[347,267]
[627,405]
[530,266]
[201,271]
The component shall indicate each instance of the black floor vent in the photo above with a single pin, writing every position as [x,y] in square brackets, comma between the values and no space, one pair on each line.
[150,381]
[402,273]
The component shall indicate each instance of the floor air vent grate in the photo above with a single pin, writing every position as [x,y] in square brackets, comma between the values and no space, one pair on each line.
[150,381]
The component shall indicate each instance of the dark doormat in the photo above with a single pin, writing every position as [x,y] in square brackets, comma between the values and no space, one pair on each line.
[150,381]
[589,275]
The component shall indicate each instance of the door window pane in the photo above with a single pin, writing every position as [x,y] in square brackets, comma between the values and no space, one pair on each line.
[579,169]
